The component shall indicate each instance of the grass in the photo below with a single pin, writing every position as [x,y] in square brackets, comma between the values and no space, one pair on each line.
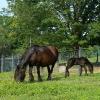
[93,59]
[71,88]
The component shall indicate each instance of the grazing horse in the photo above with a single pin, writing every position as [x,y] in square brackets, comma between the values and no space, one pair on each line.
[39,56]
[82,61]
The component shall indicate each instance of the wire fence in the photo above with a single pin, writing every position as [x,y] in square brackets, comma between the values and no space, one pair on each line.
[8,63]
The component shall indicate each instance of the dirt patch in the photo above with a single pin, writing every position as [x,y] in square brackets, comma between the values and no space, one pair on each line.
[96,69]
[75,69]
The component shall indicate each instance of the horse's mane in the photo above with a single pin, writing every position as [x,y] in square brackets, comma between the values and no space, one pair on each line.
[31,49]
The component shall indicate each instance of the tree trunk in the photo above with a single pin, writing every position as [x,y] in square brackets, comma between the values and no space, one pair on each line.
[78,50]
[97,60]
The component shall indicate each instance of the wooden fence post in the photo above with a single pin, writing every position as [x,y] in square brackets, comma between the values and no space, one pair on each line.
[12,63]
[2,62]
[79,52]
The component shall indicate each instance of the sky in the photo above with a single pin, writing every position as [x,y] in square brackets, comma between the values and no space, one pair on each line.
[3,4]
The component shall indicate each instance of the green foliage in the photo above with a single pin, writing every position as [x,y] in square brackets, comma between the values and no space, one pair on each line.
[5,41]
[63,23]
[94,34]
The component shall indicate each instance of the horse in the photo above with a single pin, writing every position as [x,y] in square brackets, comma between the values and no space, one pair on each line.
[39,56]
[82,61]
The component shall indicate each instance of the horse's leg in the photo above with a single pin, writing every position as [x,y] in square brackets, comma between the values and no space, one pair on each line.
[38,72]
[66,71]
[80,70]
[90,68]
[85,70]
[31,77]
[49,73]
[52,68]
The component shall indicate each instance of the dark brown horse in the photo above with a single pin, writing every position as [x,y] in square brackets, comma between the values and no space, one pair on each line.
[39,56]
[82,61]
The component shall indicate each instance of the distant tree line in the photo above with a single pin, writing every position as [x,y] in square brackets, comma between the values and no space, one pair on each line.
[67,24]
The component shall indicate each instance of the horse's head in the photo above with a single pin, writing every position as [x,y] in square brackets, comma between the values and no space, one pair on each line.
[19,74]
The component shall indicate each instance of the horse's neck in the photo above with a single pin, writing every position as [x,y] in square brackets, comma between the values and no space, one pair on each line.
[89,63]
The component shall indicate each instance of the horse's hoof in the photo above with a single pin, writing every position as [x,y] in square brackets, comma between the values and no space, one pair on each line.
[40,80]
[67,76]
[86,74]
[49,78]
[31,80]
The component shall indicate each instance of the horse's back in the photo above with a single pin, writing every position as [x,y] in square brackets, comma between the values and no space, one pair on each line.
[54,50]
[48,51]
[45,55]
[84,60]
[78,61]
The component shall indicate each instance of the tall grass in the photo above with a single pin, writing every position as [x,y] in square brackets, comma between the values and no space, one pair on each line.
[71,88]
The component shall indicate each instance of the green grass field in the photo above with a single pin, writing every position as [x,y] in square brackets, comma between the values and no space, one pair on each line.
[71,88]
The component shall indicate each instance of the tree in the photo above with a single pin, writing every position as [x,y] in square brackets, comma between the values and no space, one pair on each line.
[35,19]
[78,15]
[65,21]
[4,43]
[94,33]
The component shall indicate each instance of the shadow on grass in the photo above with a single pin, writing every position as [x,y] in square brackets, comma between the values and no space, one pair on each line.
[58,78]
[44,80]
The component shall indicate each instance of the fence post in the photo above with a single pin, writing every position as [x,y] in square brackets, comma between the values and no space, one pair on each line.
[12,63]
[18,58]
[97,59]
[2,62]
[79,52]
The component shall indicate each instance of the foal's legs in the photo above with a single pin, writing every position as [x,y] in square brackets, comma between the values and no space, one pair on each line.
[38,72]
[66,71]
[49,73]
[90,68]
[80,70]
[31,77]
[85,70]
